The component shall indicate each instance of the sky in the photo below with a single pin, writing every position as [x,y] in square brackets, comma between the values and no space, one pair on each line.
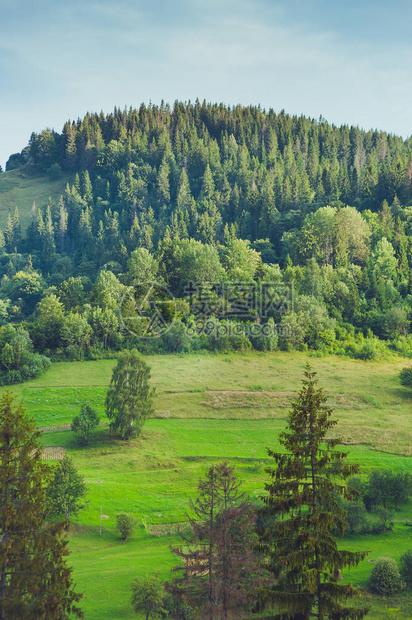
[348,61]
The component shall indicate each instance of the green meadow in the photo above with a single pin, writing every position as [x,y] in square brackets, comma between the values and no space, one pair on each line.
[208,408]
[19,188]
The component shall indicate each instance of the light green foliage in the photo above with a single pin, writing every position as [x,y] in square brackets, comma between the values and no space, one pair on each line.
[68,489]
[147,596]
[105,325]
[25,289]
[154,478]
[129,399]
[197,262]
[352,236]
[125,525]
[50,322]
[76,332]
[85,423]
[405,567]
[240,260]
[385,578]
[383,260]
[309,324]
[71,293]
[142,267]
[107,291]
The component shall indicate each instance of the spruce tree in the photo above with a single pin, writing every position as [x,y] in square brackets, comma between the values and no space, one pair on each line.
[301,513]
[34,579]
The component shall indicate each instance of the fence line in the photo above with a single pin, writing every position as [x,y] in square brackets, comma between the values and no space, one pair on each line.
[53,454]
[55,428]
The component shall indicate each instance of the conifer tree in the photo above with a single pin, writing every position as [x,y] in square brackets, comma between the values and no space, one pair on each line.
[34,579]
[300,514]
[220,565]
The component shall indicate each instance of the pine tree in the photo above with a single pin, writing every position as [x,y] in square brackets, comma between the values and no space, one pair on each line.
[300,513]
[34,579]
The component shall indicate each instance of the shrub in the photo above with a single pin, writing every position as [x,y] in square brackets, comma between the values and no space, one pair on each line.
[85,423]
[356,517]
[405,376]
[176,339]
[147,597]
[405,567]
[125,525]
[385,577]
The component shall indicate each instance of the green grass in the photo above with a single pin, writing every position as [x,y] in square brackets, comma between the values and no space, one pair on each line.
[208,409]
[19,188]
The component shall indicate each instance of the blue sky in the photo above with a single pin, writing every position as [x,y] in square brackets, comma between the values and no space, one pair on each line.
[349,61]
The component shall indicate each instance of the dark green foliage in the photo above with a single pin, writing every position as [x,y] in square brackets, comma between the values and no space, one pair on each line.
[17,360]
[147,597]
[405,376]
[34,579]
[357,521]
[387,486]
[385,578]
[68,489]
[15,161]
[300,513]
[129,399]
[405,567]
[125,525]
[85,423]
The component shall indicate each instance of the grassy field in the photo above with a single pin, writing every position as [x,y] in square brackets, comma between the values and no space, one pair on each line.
[20,189]
[208,408]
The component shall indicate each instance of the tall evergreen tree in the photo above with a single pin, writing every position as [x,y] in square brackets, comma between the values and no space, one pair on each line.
[34,579]
[300,514]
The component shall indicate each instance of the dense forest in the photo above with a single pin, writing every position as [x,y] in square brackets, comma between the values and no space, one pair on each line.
[206,193]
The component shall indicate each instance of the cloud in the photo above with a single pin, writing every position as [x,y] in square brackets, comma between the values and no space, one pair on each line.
[312,57]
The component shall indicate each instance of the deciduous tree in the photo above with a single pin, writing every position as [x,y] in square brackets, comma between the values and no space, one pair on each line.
[68,489]
[129,399]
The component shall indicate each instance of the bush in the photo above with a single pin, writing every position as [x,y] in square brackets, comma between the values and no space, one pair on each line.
[405,567]
[176,339]
[385,577]
[125,525]
[356,517]
[85,423]
[405,376]
[147,597]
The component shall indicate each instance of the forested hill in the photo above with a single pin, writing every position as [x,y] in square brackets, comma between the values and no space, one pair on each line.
[199,167]
[205,192]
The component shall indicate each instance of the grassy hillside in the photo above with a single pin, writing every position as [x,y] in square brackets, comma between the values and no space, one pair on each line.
[208,408]
[20,189]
